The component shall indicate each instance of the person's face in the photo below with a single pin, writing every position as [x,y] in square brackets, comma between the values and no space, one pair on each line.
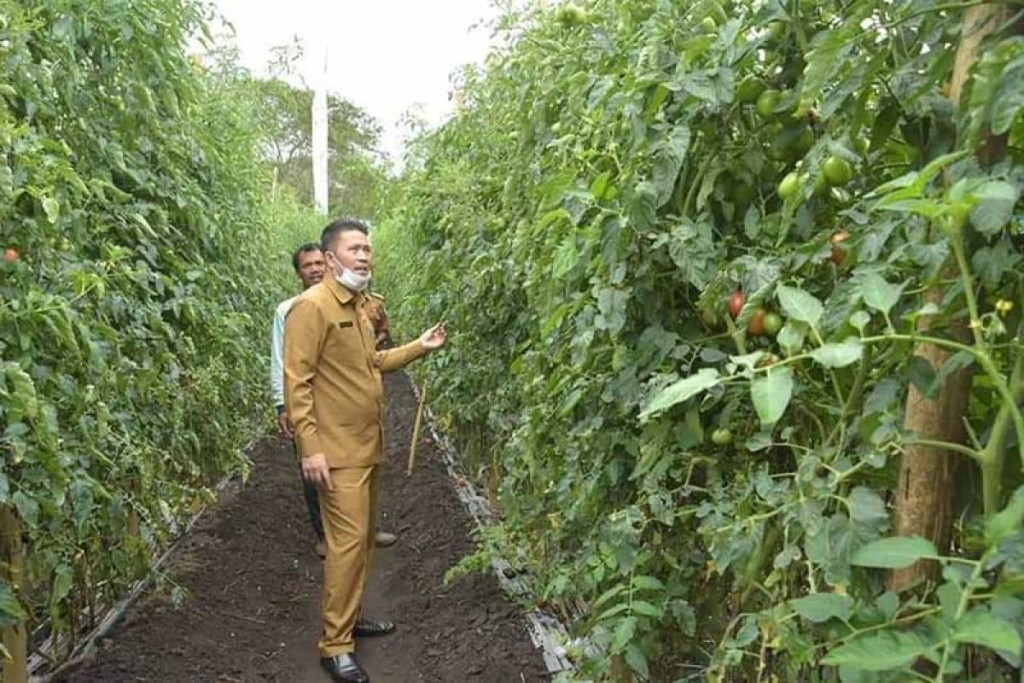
[351,250]
[311,268]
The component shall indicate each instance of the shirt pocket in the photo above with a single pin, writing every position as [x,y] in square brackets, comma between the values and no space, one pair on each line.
[344,342]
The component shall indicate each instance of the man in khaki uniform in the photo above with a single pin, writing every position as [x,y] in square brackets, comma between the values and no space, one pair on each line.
[334,396]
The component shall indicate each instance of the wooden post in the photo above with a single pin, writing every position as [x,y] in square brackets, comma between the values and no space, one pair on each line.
[15,637]
[416,430]
[927,481]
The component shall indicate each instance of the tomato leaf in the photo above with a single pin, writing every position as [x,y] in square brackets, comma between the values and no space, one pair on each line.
[896,552]
[820,607]
[771,394]
[680,391]
[880,651]
[623,633]
[11,610]
[994,209]
[667,162]
[838,355]
[1007,522]
[877,293]
[799,305]
[980,627]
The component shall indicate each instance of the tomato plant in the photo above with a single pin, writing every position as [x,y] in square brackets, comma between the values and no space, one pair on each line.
[579,225]
[133,321]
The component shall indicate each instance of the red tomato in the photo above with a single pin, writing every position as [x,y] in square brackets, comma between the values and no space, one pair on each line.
[736,303]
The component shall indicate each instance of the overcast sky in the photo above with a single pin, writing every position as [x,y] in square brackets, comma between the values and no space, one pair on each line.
[385,55]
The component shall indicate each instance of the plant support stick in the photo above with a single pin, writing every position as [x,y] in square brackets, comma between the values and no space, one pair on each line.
[416,430]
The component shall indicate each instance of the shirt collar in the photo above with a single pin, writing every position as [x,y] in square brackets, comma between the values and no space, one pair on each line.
[342,293]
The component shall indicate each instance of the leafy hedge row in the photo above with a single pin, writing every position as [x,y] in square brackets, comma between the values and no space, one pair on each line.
[716,487]
[143,265]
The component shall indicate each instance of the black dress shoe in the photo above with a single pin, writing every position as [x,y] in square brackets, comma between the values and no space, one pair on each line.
[367,629]
[344,668]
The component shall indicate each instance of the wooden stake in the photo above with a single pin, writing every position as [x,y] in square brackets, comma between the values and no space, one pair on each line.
[15,638]
[928,474]
[416,430]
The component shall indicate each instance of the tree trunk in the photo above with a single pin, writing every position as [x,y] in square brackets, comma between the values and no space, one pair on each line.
[15,638]
[927,483]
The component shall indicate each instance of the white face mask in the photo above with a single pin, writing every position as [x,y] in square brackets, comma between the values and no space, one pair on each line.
[353,281]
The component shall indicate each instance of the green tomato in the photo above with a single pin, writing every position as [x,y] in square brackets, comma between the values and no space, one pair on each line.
[707,25]
[803,108]
[721,437]
[710,319]
[772,324]
[776,153]
[766,103]
[742,193]
[804,142]
[777,30]
[749,89]
[821,185]
[790,186]
[837,171]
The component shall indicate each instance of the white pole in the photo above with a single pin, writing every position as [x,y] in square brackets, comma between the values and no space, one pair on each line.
[320,134]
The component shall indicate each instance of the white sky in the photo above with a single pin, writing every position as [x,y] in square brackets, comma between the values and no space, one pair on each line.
[385,55]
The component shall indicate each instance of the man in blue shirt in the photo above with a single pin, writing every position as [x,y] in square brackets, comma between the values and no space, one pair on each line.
[309,265]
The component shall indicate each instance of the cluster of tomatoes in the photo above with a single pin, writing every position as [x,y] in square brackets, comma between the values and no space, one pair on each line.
[762,323]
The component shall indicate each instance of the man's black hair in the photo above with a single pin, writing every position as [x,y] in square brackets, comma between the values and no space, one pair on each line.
[304,249]
[330,234]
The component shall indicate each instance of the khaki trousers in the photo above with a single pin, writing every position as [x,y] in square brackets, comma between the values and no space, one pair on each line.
[348,514]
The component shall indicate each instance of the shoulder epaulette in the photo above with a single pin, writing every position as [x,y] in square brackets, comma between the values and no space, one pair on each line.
[375,295]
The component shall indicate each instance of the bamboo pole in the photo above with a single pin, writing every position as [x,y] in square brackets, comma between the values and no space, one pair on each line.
[15,637]
[416,430]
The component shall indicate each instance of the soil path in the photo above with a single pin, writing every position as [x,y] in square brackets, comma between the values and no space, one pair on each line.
[253,587]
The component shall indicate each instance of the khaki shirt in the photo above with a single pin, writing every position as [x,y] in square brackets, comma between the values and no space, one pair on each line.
[332,376]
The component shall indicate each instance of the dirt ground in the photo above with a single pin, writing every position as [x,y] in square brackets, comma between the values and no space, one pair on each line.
[253,587]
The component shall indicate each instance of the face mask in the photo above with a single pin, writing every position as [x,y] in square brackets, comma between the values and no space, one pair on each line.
[353,281]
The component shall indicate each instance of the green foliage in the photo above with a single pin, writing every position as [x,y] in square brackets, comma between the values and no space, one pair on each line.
[581,224]
[133,325]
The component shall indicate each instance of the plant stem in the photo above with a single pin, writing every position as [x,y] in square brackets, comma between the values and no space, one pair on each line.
[854,397]
[965,598]
[946,445]
[992,458]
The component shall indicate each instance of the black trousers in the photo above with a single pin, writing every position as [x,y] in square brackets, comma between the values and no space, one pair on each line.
[312,496]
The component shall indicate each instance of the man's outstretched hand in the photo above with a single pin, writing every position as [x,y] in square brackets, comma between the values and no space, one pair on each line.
[434,338]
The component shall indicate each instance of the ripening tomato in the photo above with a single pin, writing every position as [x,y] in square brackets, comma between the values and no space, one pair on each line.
[736,303]
[838,253]
[756,325]
[772,324]
[10,255]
